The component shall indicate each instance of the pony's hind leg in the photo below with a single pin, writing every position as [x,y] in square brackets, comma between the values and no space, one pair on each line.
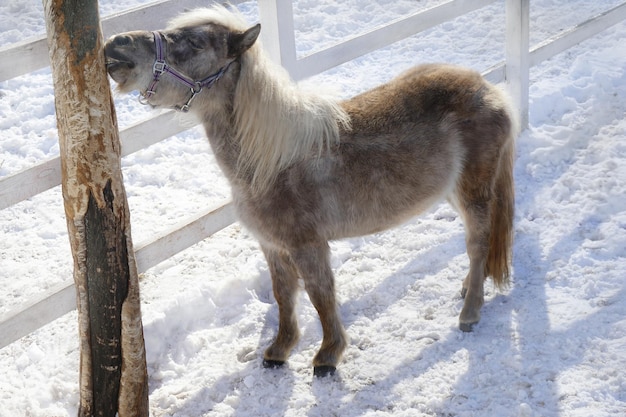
[477,231]
[475,210]
[285,286]
[313,263]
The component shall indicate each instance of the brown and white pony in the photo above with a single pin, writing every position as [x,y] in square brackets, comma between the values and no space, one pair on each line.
[305,169]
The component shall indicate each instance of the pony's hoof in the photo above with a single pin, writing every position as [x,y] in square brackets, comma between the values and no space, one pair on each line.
[324,371]
[271,364]
[466,327]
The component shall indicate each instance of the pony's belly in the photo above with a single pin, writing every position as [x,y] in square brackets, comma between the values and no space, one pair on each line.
[375,218]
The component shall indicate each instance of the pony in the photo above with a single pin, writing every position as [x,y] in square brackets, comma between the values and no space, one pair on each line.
[306,169]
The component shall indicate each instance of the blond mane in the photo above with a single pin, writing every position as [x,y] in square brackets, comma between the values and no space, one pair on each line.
[277,123]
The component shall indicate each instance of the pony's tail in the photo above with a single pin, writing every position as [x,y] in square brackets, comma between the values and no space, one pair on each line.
[502,210]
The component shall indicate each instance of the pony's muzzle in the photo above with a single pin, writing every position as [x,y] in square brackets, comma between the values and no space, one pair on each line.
[118,64]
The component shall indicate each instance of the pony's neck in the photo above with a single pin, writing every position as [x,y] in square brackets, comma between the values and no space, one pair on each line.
[219,129]
[265,122]
[214,109]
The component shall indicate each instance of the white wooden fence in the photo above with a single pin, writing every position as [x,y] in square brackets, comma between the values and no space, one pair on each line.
[278,38]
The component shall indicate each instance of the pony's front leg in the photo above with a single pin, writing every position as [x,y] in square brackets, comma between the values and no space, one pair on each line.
[313,262]
[285,285]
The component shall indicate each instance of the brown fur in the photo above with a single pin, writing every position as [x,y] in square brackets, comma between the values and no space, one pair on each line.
[305,170]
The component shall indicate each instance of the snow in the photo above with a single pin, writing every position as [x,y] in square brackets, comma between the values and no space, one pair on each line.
[552,345]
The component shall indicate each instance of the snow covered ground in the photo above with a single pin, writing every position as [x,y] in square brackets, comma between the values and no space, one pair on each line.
[553,345]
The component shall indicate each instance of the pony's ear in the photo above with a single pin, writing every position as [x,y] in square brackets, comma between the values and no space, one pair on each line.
[238,43]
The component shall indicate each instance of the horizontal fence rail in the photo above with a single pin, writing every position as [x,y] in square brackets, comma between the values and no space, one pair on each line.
[279,41]
[45,175]
[575,35]
[370,41]
[61,299]
[560,42]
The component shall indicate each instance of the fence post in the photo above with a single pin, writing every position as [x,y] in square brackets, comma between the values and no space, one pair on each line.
[113,377]
[277,31]
[517,66]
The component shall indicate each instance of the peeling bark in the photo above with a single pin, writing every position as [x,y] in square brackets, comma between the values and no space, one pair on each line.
[113,377]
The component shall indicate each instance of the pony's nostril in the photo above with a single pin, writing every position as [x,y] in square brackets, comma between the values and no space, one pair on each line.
[122,40]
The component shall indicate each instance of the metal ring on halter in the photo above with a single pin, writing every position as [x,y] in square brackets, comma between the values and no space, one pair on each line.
[194,92]
[143,97]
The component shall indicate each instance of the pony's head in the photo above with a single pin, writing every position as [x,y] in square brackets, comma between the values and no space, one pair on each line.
[171,67]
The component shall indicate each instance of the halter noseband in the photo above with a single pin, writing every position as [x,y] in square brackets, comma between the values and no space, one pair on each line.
[160,67]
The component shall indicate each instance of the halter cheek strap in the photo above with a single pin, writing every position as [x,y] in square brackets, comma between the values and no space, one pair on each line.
[161,66]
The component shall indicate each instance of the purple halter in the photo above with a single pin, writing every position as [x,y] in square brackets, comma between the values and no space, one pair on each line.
[160,67]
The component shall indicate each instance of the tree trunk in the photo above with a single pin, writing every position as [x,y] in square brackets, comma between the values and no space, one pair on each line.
[113,377]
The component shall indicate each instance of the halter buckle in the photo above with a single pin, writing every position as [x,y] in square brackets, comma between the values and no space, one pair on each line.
[159,67]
